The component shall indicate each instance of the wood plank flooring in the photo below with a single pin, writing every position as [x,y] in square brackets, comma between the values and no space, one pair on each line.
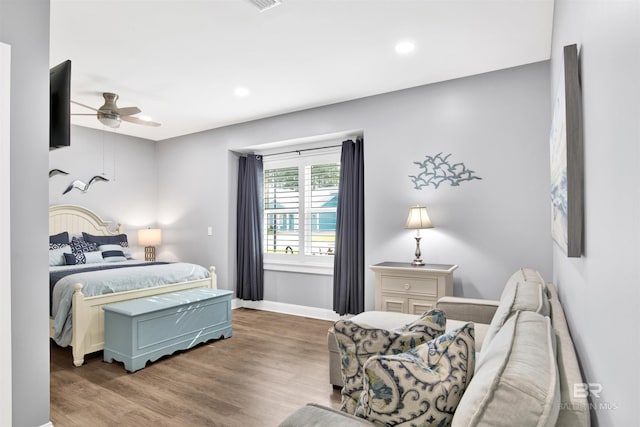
[273,364]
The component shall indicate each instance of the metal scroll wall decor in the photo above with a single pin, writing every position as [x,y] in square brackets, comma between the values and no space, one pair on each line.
[438,169]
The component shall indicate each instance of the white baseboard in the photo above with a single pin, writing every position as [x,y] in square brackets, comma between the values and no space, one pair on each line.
[49,424]
[293,309]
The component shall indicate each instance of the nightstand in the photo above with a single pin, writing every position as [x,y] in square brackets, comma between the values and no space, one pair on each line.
[405,288]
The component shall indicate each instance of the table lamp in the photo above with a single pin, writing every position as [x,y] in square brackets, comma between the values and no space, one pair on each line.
[417,220]
[149,238]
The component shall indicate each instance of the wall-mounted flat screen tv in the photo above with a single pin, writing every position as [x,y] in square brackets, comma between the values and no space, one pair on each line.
[59,107]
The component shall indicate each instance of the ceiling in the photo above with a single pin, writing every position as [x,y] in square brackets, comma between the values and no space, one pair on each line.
[180,61]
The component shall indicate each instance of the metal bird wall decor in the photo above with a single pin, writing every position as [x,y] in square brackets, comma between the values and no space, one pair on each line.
[437,170]
[54,172]
[80,185]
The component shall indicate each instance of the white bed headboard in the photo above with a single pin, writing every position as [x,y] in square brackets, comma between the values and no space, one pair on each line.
[76,219]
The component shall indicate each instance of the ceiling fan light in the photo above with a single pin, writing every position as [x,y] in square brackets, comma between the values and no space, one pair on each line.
[109,120]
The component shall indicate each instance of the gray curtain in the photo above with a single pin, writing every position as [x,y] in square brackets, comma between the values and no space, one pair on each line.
[348,267]
[250,270]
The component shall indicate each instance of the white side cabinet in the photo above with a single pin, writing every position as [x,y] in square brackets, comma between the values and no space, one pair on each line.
[405,288]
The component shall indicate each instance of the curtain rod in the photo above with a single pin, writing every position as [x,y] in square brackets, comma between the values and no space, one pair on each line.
[300,150]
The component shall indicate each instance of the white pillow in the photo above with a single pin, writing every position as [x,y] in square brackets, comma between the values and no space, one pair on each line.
[56,256]
[112,253]
[127,252]
[93,257]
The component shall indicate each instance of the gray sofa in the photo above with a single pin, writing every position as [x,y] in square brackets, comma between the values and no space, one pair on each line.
[526,365]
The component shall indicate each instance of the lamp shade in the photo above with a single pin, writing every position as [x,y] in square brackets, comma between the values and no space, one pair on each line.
[149,237]
[418,218]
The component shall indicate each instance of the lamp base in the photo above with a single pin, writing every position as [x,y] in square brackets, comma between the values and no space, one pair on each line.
[418,260]
[149,253]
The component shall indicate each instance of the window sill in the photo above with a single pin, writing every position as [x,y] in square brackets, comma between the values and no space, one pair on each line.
[324,269]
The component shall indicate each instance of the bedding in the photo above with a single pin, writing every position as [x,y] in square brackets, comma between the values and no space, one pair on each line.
[107,278]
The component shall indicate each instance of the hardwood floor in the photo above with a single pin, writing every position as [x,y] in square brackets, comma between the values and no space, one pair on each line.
[273,364]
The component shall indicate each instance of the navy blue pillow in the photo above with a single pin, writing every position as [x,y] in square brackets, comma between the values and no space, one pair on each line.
[120,239]
[60,238]
[71,259]
[112,256]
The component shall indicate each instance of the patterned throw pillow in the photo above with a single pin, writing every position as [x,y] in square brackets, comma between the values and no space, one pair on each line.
[422,386]
[79,247]
[356,343]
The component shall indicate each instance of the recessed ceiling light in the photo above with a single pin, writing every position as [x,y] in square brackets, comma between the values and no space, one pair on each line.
[405,47]
[263,5]
[241,91]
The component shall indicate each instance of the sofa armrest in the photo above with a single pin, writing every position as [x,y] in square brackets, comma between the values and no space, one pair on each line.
[468,309]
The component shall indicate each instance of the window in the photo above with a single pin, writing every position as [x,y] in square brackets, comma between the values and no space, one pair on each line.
[300,206]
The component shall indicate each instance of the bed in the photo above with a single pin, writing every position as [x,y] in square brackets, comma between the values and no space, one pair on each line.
[85,312]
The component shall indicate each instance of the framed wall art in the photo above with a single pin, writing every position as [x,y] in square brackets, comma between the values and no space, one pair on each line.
[567,159]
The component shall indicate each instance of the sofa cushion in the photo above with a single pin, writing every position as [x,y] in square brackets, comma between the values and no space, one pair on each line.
[516,379]
[312,415]
[357,342]
[525,290]
[422,386]
[574,407]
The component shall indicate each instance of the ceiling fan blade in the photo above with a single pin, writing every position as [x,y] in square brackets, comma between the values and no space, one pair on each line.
[129,111]
[83,105]
[139,121]
[83,114]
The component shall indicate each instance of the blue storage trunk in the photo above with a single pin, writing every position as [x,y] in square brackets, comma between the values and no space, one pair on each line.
[145,329]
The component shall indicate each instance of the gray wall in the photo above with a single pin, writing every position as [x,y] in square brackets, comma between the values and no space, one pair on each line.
[24,24]
[496,123]
[129,198]
[600,290]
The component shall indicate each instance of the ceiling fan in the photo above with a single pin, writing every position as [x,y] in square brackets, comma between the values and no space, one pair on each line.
[111,115]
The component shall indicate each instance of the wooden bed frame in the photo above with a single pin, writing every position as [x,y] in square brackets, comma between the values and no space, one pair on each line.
[87,313]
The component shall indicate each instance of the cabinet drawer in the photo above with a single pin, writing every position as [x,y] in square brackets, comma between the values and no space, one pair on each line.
[394,304]
[425,286]
[419,306]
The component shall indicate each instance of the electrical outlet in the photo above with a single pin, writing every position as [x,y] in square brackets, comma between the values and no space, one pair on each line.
[209,231]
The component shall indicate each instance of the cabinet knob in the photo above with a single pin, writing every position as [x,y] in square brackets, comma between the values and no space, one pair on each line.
[407,286]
